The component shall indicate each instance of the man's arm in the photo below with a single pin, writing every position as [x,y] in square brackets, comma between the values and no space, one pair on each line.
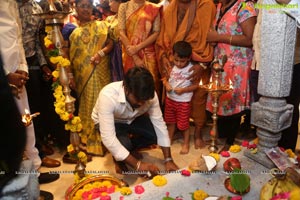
[162,134]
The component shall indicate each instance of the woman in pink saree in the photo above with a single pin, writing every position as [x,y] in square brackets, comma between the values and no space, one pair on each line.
[139,25]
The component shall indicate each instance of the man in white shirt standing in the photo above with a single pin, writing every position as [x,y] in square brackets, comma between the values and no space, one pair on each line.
[132,107]
[15,67]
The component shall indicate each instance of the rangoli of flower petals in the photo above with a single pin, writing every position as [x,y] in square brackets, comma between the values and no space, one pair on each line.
[235,148]
[139,189]
[159,180]
[225,154]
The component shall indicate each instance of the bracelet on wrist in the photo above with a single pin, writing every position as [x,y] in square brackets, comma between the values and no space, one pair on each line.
[168,159]
[138,164]
[202,65]
[101,53]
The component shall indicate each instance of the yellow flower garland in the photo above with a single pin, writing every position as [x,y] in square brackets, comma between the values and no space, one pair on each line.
[73,123]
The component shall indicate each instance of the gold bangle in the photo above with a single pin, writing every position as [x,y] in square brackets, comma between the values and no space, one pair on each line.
[230,39]
[138,164]
[101,53]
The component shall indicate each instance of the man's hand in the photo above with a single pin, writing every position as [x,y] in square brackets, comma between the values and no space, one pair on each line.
[171,166]
[18,78]
[283,1]
[47,73]
[151,170]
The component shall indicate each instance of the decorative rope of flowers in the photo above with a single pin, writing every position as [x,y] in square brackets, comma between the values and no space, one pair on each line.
[73,123]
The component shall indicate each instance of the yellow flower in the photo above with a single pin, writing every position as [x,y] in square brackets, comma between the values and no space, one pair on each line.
[82,157]
[70,148]
[47,42]
[125,191]
[235,148]
[78,127]
[64,116]
[55,74]
[55,59]
[295,194]
[64,62]
[215,156]
[79,193]
[48,29]
[106,183]
[290,153]
[88,186]
[199,195]
[75,120]
[159,180]
[97,184]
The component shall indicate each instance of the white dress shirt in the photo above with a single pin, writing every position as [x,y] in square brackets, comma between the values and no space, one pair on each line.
[111,107]
[11,44]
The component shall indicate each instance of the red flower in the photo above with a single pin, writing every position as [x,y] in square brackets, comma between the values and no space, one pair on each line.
[50,47]
[185,172]
[139,189]
[251,146]
[71,116]
[245,143]
[225,154]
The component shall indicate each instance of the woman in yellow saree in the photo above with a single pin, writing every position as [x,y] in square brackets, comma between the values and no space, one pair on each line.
[139,25]
[89,46]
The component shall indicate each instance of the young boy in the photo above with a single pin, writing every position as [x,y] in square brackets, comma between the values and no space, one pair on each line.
[179,93]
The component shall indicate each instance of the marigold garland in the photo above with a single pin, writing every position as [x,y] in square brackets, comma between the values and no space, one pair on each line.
[73,123]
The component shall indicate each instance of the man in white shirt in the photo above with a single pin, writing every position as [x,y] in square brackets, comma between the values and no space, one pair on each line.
[132,107]
[15,67]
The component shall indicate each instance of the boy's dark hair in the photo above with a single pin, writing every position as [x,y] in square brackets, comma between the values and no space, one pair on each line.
[183,49]
[139,82]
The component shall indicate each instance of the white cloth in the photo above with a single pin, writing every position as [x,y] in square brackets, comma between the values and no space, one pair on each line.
[24,186]
[111,107]
[179,78]
[164,3]
[11,37]
[13,57]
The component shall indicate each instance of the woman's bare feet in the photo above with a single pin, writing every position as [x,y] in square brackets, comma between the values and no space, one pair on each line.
[185,149]
[199,143]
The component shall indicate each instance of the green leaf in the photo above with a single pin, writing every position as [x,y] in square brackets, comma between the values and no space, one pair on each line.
[239,180]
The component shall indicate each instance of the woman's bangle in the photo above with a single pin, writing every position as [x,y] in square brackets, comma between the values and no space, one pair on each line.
[138,164]
[101,53]
[230,39]
[168,159]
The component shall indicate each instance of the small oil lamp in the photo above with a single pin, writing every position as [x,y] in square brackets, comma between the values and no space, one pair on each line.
[27,117]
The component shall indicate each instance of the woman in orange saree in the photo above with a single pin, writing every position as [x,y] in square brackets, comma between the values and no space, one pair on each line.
[139,25]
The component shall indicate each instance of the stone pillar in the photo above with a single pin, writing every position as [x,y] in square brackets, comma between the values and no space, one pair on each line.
[271,114]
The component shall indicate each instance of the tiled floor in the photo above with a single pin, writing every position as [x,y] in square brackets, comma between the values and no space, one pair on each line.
[105,165]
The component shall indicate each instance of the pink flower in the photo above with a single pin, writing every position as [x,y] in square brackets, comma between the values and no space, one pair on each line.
[139,189]
[282,149]
[111,189]
[251,146]
[185,172]
[225,154]
[245,143]
[86,194]
[105,198]
[121,197]
[281,196]
[236,198]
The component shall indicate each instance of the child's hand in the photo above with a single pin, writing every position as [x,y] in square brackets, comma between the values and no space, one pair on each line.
[168,87]
[179,91]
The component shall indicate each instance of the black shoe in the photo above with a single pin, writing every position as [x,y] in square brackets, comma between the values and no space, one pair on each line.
[47,177]
[44,195]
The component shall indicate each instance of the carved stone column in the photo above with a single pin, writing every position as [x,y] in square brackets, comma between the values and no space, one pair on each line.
[271,114]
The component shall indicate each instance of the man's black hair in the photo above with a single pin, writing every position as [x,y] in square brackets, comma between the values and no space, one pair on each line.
[139,81]
[183,49]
